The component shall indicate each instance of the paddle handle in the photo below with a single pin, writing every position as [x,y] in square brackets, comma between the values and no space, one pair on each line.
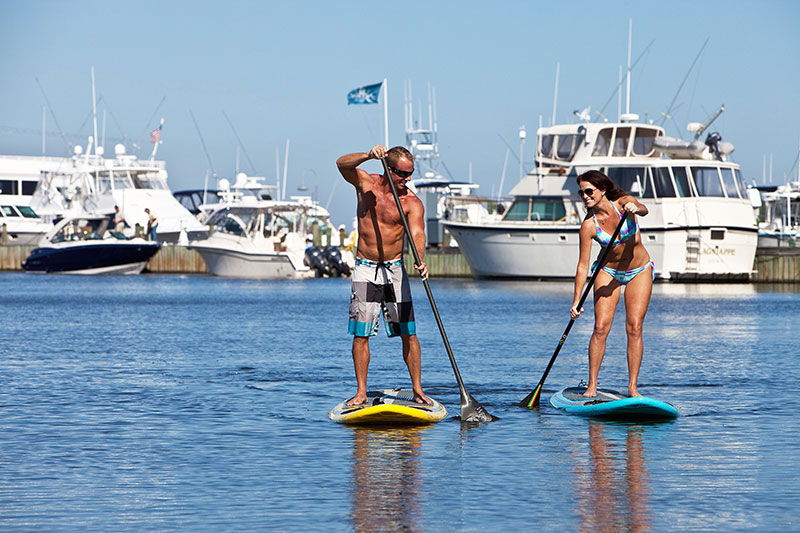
[532,399]
[418,262]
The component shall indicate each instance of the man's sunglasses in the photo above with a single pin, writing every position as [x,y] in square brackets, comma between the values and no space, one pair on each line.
[402,173]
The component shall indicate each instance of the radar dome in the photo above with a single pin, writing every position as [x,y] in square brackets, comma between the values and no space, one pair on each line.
[119,149]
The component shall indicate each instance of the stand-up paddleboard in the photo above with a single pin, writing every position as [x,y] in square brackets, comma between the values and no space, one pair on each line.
[388,407]
[611,404]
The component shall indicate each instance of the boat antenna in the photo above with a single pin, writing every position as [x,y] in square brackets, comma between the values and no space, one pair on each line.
[510,148]
[614,92]
[628,75]
[241,144]
[285,169]
[669,110]
[555,96]
[708,122]
[203,142]
[44,130]
[52,113]
[94,112]
[503,175]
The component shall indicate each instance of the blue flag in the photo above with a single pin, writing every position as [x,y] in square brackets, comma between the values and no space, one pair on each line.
[365,95]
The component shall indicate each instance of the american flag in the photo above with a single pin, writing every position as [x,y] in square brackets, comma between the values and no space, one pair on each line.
[155,135]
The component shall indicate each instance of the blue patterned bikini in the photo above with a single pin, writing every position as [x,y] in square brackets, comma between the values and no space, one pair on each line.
[628,231]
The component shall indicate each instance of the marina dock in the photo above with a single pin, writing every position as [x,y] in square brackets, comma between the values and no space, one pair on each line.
[772,265]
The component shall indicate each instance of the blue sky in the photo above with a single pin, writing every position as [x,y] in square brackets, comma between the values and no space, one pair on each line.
[281,70]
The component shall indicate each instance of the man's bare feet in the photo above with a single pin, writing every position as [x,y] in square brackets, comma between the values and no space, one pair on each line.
[420,397]
[358,399]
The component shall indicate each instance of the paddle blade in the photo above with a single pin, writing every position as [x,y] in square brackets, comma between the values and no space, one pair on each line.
[531,401]
[473,412]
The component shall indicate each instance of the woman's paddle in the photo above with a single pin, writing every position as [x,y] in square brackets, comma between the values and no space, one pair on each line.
[471,409]
[532,399]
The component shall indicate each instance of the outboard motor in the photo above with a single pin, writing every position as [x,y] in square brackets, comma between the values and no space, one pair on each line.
[317,262]
[335,262]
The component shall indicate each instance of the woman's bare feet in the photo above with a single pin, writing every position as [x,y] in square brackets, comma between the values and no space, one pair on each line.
[632,391]
[591,392]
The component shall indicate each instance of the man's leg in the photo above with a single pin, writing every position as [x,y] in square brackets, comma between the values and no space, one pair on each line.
[412,354]
[361,364]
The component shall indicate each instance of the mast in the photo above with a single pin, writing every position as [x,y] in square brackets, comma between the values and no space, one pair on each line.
[94,112]
[44,130]
[385,114]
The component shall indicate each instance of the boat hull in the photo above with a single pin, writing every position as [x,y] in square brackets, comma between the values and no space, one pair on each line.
[238,264]
[117,258]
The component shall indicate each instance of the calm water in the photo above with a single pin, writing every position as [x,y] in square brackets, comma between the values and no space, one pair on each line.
[195,403]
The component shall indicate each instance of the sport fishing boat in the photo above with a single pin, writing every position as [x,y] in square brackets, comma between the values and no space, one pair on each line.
[779,215]
[87,245]
[261,238]
[701,224]
[19,222]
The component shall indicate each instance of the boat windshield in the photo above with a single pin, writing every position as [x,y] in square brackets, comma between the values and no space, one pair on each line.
[643,141]
[630,179]
[8,211]
[147,180]
[238,223]
[82,229]
[565,145]
[538,208]
[603,142]
[26,211]
[707,182]
[729,182]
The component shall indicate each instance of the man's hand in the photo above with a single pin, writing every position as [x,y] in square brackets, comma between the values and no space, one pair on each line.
[422,268]
[378,152]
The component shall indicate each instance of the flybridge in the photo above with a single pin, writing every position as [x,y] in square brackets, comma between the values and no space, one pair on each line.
[559,145]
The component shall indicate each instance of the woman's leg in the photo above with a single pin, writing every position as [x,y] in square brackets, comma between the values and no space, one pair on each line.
[637,299]
[606,297]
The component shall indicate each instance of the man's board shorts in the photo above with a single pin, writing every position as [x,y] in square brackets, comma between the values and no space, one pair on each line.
[381,287]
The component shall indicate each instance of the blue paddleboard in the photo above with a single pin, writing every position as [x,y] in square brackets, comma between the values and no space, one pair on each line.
[612,405]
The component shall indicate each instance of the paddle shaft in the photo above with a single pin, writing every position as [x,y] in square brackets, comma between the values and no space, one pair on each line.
[417,261]
[532,399]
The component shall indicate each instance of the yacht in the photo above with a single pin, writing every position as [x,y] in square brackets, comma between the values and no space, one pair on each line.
[87,245]
[701,224]
[88,182]
[779,215]
[19,222]
[261,238]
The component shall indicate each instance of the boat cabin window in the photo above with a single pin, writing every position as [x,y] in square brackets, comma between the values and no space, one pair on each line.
[621,142]
[682,182]
[122,180]
[145,181]
[706,181]
[26,211]
[729,183]
[8,211]
[632,180]
[9,187]
[546,147]
[82,229]
[103,183]
[539,208]
[603,142]
[662,183]
[567,146]
[643,141]
[28,188]
[224,221]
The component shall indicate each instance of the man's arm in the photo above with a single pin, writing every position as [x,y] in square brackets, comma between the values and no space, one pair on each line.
[348,164]
[416,223]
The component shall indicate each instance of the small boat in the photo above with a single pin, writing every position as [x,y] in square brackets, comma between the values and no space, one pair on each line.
[86,245]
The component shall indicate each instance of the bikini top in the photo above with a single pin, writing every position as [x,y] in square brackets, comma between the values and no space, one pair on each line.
[625,234]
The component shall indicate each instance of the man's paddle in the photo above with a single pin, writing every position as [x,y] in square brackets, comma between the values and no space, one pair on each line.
[471,409]
[532,399]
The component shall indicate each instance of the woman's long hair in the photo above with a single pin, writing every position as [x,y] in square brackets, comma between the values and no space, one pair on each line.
[602,182]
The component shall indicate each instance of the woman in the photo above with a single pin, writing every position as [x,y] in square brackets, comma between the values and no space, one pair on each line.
[628,264]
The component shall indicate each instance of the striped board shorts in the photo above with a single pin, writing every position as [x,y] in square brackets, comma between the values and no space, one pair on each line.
[381,287]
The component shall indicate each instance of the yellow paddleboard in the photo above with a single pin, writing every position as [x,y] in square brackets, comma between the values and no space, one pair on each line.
[388,407]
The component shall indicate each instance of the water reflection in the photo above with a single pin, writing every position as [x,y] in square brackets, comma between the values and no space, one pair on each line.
[387,485]
[612,480]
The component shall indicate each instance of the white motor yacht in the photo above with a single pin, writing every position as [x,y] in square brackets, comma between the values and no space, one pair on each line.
[779,215]
[700,226]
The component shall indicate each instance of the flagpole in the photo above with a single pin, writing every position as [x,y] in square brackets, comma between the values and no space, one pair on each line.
[386,111]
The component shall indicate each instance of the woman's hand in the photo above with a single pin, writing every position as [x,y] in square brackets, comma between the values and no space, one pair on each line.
[631,208]
[574,312]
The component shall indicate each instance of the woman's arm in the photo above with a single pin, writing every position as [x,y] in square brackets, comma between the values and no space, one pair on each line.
[582,270]
[632,205]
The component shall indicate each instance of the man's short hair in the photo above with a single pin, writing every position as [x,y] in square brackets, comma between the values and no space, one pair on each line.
[396,153]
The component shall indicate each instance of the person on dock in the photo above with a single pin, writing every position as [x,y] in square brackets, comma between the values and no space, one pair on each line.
[380,281]
[628,265]
[152,225]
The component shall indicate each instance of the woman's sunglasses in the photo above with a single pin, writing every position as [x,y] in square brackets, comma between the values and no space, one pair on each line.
[402,173]
[587,192]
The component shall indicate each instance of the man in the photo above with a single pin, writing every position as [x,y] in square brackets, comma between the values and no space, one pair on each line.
[152,225]
[380,282]
[119,220]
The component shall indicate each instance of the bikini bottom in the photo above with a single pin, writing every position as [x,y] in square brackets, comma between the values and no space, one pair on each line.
[625,276]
